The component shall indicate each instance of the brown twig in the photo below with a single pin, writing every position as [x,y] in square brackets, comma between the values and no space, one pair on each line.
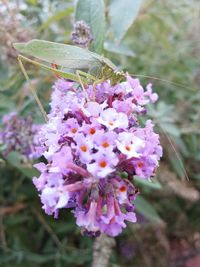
[3,242]
[102,250]
[12,209]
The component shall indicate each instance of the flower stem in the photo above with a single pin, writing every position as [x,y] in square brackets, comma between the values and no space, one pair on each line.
[102,250]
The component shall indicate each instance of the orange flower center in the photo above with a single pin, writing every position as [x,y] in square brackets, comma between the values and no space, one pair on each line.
[74,130]
[92,131]
[105,144]
[111,123]
[128,148]
[84,148]
[140,164]
[123,189]
[102,164]
[112,220]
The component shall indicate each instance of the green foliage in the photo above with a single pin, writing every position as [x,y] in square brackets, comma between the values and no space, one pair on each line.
[147,184]
[147,210]
[14,159]
[122,14]
[56,17]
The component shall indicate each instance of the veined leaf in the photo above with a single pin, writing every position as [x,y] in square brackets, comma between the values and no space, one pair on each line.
[68,56]
[122,14]
[93,13]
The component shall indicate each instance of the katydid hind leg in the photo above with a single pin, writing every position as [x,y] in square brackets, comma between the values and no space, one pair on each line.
[33,90]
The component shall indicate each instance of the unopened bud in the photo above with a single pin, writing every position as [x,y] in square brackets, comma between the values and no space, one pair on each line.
[81,34]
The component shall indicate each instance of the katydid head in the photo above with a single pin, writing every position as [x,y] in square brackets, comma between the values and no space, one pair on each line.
[117,77]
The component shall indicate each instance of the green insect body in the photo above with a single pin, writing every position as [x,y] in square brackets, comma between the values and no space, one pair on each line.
[92,67]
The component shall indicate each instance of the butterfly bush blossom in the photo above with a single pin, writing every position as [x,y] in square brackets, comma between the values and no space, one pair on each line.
[93,136]
[20,134]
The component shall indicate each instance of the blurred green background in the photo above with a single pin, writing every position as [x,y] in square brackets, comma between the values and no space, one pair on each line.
[163,42]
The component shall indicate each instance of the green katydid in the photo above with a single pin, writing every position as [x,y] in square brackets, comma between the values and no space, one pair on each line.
[90,66]
[74,63]
[70,59]
[77,64]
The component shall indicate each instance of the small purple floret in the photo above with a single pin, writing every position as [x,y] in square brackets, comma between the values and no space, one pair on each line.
[20,134]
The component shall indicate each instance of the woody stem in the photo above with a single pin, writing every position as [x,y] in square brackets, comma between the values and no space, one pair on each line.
[102,250]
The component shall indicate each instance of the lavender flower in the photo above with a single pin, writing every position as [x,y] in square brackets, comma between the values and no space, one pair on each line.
[19,134]
[87,144]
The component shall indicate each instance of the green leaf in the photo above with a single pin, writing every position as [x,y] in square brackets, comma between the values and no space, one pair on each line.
[93,13]
[178,165]
[32,2]
[147,210]
[122,14]
[14,158]
[56,17]
[142,182]
[17,219]
[38,258]
[196,176]
[68,56]
[170,128]
[6,257]
[119,49]
[6,103]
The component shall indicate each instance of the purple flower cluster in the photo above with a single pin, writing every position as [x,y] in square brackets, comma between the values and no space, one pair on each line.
[19,134]
[91,138]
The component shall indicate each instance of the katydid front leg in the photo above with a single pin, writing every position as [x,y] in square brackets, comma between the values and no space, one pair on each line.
[79,74]
[66,75]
